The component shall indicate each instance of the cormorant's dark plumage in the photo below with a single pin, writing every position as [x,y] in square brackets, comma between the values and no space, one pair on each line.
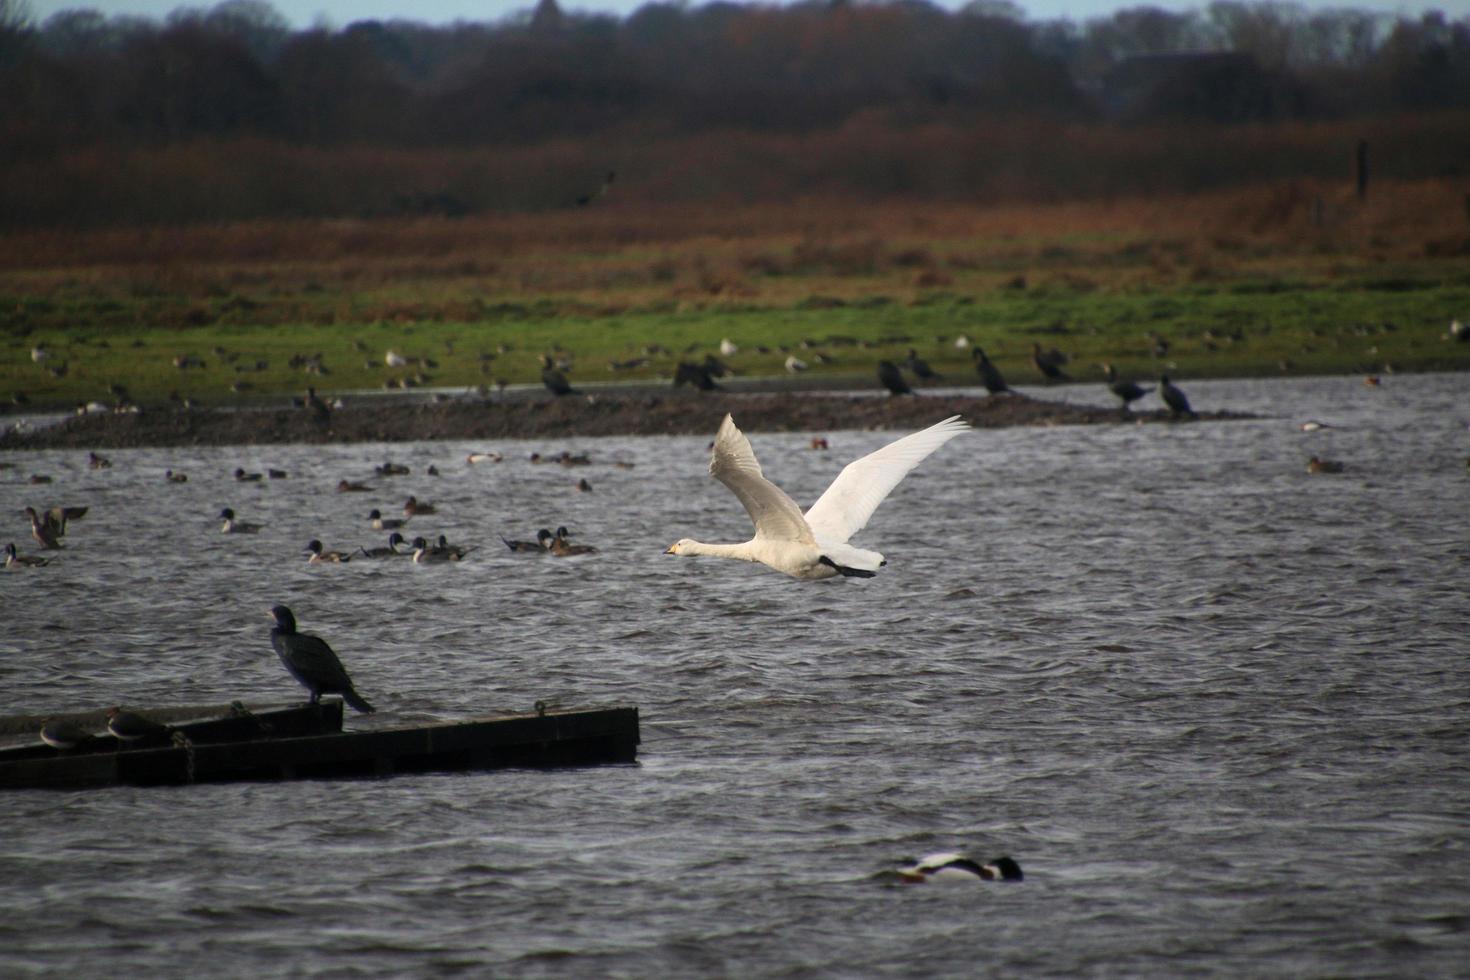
[1127,391]
[892,379]
[1174,398]
[312,662]
[990,375]
[1049,363]
[556,382]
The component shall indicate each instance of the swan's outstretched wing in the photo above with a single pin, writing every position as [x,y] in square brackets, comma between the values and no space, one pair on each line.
[863,484]
[774,514]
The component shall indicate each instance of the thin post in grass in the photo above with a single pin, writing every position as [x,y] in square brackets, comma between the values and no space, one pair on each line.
[1360,168]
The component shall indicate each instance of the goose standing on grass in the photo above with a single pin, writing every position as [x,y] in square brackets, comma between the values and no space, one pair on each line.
[813,546]
[312,662]
[961,867]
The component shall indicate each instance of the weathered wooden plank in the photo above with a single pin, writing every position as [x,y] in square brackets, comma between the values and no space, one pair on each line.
[559,738]
[236,723]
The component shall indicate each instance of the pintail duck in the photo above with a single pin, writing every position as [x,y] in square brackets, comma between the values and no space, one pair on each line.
[387,551]
[561,547]
[540,546]
[320,557]
[173,477]
[233,526]
[441,550]
[412,507]
[349,486]
[244,477]
[312,662]
[960,867]
[381,523]
[391,469]
[14,559]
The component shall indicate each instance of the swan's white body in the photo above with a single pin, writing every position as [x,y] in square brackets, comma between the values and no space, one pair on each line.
[813,545]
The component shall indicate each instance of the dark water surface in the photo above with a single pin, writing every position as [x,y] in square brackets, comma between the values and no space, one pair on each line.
[1217,708]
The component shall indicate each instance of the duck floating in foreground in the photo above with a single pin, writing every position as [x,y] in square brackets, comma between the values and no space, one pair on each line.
[14,559]
[813,545]
[312,662]
[960,867]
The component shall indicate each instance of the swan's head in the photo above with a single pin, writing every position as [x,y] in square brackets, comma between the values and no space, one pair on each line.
[683,546]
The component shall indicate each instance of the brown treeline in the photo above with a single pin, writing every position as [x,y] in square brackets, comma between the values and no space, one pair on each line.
[227,113]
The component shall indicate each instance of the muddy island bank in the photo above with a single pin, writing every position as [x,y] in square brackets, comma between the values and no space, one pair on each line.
[393,420]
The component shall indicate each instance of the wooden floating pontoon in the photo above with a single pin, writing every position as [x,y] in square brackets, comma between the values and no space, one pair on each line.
[307,742]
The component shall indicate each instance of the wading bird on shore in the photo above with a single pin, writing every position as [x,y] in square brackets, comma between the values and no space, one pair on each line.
[990,375]
[890,377]
[1175,399]
[1049,363]
[1128,392]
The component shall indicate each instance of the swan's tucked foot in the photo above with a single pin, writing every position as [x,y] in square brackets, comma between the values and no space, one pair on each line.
[845,570]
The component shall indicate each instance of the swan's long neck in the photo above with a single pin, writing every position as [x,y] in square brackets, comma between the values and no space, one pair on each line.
[741,551]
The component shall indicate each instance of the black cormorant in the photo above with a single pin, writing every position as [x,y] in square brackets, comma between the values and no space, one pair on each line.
[312,662]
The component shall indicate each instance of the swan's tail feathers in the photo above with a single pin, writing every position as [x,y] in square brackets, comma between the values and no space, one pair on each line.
[846,570]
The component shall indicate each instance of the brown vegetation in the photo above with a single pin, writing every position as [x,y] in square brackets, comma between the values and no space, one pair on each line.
[398,420]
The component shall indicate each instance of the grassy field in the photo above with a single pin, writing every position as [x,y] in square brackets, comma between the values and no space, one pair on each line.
[1294,278]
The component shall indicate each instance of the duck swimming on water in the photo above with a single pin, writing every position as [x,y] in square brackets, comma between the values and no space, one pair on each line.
[233,526]
[960,867]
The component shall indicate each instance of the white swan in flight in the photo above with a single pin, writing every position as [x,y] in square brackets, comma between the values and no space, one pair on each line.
[813,545]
